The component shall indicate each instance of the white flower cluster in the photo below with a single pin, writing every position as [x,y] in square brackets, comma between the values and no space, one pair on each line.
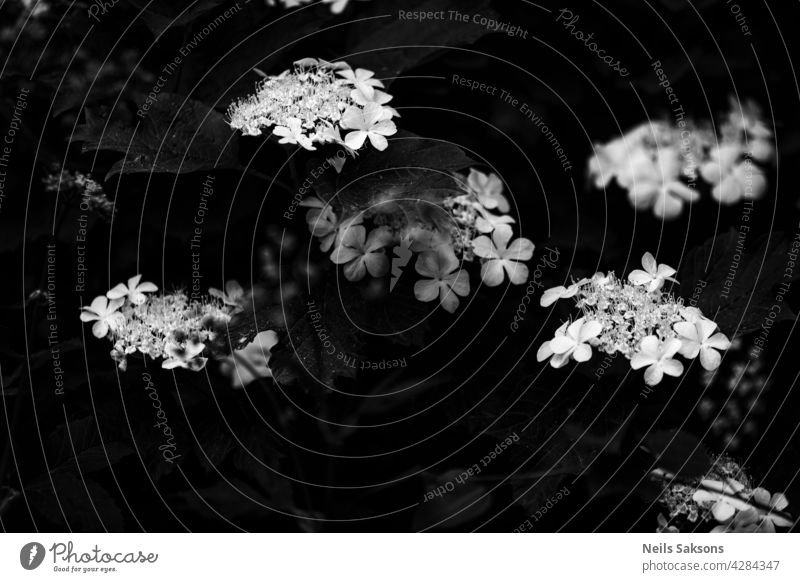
[636,319]
[313,104]
[725,496]
[472,233]
[658,163]
[168,326]
[337,6]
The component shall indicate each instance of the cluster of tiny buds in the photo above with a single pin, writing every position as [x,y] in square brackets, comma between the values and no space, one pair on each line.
[658,163]
[636,319]
[81,188]
[473,231]
[314,103]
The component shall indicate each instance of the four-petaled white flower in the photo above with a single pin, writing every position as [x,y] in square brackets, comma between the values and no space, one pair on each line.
[657,355]
[361,254]
[488,222]
[134,290]
[187,356]
[553,294]
[105,315]
[446,280]
[293,133]
[369,122]
[361,79]
[653,275]
[572,341]
[488,189]
[697,339]
[251,362]
[501,256]
[232,296]
[379,97]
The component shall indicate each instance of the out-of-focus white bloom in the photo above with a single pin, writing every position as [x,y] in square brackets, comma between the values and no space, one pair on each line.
[500,256]
[361,254]
[134,290]
[697,339]
[733,178]
[613,160]
[251,362]
[446,281]
[658,163]
[105,314]
[653,275]
[657,356]
[656,183]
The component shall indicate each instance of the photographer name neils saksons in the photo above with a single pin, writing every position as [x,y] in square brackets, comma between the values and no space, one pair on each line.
[665,548]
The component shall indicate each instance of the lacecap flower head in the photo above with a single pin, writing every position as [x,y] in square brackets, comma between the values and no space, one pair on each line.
[314,103]
[168,326]
[635,318]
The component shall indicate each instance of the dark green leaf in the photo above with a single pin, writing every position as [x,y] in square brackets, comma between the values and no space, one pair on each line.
[679,453]
[88,507]
[741,275]
[393,45]
[177,136]
[414,173]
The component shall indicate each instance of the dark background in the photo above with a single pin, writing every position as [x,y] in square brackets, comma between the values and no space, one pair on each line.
[275,457]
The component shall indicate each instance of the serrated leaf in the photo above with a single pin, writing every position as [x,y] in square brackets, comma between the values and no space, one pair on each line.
[161,15]
[320,342]
[393,45]
[177,136]
[738,293]
[414,173]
